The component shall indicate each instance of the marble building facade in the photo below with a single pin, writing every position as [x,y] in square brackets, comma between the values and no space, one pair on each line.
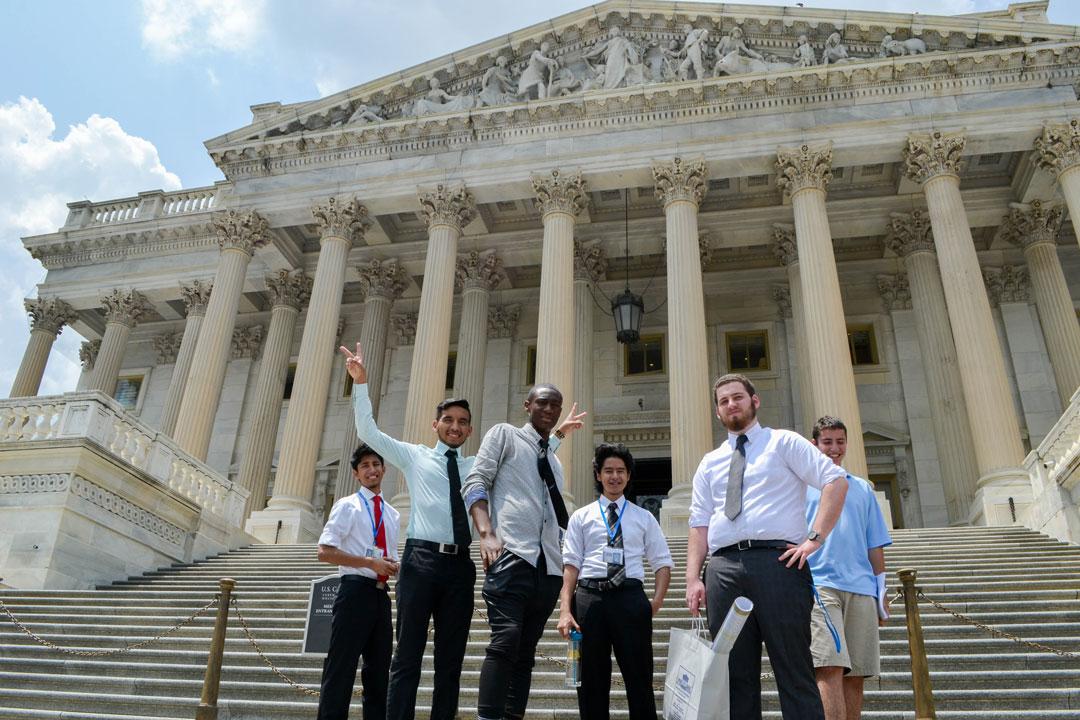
[867,213]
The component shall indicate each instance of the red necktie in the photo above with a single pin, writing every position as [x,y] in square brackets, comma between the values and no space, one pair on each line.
[380,538]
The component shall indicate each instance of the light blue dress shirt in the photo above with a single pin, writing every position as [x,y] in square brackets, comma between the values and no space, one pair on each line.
[424,468]
[842,562]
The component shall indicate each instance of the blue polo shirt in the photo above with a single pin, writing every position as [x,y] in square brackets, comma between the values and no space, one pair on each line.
[842,562]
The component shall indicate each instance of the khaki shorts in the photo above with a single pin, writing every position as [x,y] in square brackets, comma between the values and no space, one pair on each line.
[855,619]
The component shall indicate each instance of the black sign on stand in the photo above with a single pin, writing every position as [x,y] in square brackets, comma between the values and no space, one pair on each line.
[320,613]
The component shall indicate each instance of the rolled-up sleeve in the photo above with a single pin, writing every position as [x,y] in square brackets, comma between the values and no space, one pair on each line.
[574,542]
[809,464]
[338,525]
[657,551]
[482,476]
[701,501]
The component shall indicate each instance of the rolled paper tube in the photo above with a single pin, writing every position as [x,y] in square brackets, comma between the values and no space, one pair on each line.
[733,625]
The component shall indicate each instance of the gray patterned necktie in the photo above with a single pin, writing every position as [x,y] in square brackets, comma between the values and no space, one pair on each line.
[616,573]
[733,499]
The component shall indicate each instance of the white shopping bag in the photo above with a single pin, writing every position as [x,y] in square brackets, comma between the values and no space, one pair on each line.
[696,687]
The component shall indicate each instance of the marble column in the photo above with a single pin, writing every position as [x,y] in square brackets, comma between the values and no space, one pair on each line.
[1057,150]
[382,282]
[48,316]
[196,296]
[341,223]
[803,173]
[448,211]
[289,292]
[1035,228]
[560,200]
[680,187]
[934,161]
[123,308]
[590,267]
[239,234]
[910,236]
[477,275]
[786,251]
[88,352]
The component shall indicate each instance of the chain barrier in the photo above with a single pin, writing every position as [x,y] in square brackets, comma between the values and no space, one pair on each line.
[996,632]
[114,651]
[269,663]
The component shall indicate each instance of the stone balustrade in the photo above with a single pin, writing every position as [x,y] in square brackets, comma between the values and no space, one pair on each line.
[146,206]
[1054,467]
[101,420]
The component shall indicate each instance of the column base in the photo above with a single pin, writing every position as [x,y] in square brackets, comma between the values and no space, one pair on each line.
[284,526]
[1003,498]
[675,513]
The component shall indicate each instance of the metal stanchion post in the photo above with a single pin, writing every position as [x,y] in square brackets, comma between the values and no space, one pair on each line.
[212,680]
[920,668]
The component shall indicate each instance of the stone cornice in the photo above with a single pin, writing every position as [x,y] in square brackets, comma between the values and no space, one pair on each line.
[50,314]
[560,193]
[85,248]
[1028,225]
[680,181]
[929,155]
[455,206]
[803,168]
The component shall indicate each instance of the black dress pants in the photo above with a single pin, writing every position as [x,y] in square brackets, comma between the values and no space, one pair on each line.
[431,585]
[519,600]
[619,620]
[782,598]
[360,628]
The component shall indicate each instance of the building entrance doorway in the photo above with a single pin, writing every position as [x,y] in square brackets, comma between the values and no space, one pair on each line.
[650,483]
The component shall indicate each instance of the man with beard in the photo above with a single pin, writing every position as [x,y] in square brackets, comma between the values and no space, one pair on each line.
[749,512]
[517,483]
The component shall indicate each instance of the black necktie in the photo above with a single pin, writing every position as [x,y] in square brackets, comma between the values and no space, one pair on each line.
[548,476]
[616,572]
[462,536]
[733,498]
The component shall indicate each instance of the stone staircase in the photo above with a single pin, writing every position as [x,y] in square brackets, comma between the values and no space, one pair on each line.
[1011,578]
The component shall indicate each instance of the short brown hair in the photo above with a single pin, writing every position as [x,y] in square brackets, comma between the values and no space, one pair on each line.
[827,422]
[731,378]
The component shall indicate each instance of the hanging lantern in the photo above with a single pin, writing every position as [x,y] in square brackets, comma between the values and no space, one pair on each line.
[628,309]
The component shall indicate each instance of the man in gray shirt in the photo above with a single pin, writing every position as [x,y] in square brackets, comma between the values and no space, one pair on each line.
[514,496]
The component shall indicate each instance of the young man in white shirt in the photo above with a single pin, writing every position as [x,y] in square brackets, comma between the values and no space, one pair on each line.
[361,539]
[748,511]
[603,594]
[849,573]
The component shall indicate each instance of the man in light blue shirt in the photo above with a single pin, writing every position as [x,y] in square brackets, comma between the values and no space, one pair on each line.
[437,573]
[849,574]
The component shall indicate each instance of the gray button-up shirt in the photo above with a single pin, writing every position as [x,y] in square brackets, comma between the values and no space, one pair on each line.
[505,474]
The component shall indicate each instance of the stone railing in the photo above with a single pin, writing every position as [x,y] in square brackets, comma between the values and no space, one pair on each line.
[101,420]
[146,206]
[1054,467]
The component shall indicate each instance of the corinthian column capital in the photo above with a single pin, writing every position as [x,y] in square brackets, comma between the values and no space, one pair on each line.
[1058,148]
[929,155]
[781,295]
[1006,284]
[241,230]
[196,296]
[125,306]
[167,346]
[503,320]
[479,270]
[448,206]
[783,244]
[247,341]
[559,193]
[50,314]
[909,233]
[383,278]
[1028,225]
[88,353]
[681,180]
[346,219]
[590,261]
[291,289]
[894,291]
[404,326]
[804,167]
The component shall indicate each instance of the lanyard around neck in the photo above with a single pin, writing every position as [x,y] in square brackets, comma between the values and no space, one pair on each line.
[612,533]
[371,516]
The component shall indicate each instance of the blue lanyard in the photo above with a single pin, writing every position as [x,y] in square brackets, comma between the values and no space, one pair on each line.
[612,533]
[371,516]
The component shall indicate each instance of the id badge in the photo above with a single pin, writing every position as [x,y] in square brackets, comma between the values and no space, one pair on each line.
[613,556]
[370,553]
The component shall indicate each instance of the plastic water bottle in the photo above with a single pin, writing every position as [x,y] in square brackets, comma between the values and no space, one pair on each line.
[573,660]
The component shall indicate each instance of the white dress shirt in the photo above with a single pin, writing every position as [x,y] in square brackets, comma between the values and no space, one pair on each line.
[587,536]
[780,464]
[350,529]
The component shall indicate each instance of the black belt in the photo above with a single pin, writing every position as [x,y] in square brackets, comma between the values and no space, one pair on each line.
[754,545]
[363,580]
[605,585]
[442,548]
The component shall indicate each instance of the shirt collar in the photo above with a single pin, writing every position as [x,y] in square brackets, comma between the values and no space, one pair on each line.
[441,448]
[604,502]
[752,433]
[529,430]
[368,495]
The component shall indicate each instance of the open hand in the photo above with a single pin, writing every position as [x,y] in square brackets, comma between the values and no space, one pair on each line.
[354,364]
[573,421]
[799,553]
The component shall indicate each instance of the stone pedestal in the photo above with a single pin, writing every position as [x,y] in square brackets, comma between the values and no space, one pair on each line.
[803,174]
[196,297]
[238,235]
[477,275]
[48,316]
[123,308]
[680,187]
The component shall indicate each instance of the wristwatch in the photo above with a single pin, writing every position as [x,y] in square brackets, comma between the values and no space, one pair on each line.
[814,535]
[560,434]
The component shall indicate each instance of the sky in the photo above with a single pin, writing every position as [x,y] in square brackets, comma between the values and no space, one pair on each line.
[105,99]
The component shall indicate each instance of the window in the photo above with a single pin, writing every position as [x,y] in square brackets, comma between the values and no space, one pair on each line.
[530,366]
[127,391]
[748,350]
[290,377]
[645,357]
[347,390]
[862,344]
[451,368]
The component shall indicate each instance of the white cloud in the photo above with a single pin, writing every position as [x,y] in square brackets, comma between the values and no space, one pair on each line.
[41,173]
[172,29]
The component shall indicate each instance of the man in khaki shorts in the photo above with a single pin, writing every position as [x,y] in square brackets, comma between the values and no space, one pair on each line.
[849,576]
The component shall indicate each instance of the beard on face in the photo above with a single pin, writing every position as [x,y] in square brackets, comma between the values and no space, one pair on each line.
[740,424]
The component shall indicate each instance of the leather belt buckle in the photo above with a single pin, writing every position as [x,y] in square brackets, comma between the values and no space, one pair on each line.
[744,545]
[448,549]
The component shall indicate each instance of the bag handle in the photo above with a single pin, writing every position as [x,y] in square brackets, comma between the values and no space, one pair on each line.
[698,625]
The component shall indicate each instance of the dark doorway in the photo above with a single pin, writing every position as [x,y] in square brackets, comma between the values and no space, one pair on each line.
[651,483]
